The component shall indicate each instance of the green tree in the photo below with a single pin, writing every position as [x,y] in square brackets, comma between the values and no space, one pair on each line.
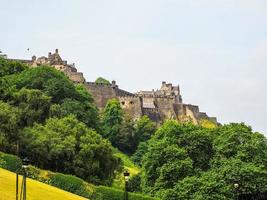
[94,161]
[112,120]
[125,139]
[145,128]
[33,106]
[68,146]
[85,112]
[139,153]
[8,67]
[163,166]
[102,80]
[9,119]
[49,80]
[238,141]
[206,163]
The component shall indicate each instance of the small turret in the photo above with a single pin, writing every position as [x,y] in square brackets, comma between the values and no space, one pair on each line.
[34,58]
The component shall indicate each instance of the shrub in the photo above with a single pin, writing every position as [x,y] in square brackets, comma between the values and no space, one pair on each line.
[115,194]
[69,183]
[33,172]
[10,162]
[134,184]
[110,193]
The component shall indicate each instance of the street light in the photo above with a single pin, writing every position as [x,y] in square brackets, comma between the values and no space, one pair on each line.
[25,164]
[236,185]
[126,177]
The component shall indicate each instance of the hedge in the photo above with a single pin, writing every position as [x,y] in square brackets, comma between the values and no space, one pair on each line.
[10,162]
[69,183]
[115,194]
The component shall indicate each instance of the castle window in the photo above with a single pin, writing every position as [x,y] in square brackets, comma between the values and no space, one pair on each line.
[123,103]
[131,102]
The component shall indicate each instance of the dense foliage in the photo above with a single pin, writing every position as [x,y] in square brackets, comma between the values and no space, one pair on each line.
[102,80]
[67,145]
[184,161]
[55,123]
[10,67]
[122,131]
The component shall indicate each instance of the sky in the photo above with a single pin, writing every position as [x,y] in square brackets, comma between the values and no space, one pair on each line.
[216,50]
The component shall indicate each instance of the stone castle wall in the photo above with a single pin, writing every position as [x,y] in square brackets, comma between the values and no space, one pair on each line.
[160,105]
[132,106]
[101,93]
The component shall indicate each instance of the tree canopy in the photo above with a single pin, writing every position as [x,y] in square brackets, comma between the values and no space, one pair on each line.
[102,80]
[184,161]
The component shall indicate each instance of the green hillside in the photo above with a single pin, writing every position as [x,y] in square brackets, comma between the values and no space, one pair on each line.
[35,189]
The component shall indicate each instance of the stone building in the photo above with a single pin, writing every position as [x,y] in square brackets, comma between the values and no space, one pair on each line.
[159,105]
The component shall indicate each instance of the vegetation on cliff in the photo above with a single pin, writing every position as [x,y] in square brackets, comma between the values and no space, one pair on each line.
[58,126]
[102,80]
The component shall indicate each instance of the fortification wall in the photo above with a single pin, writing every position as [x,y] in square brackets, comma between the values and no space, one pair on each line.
[165,107]
[76,77]
[132,106]
[179,109]
[158,105]
[152,114]
[191,111]
[101,93]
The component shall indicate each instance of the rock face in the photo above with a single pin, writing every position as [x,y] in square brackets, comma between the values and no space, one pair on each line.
[159,105]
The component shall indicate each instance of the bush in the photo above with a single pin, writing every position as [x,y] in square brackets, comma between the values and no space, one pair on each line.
[69,183]
[110,193]
[10,162]
[33,172]
[114,194]
[134,184]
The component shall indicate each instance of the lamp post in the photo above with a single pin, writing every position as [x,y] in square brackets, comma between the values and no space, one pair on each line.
[25,163]
[236,185]
[126,177]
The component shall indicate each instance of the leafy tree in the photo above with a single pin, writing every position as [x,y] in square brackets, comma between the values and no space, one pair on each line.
[112,120]
[145,128]
[134,184]
[67,145]
[238,140]
[85,112]
[9,119]
[8,67]
[102,80]
[208,162]
[218,183]
[49,80]
[33,105]
[198,144]
[52,144]
[163,165]
[125,139]
[95,161]
[139,153]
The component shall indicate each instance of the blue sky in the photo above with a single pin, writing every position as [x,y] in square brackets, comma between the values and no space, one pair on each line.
[215,49]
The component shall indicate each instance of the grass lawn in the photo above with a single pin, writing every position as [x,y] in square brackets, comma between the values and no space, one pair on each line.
[35,190]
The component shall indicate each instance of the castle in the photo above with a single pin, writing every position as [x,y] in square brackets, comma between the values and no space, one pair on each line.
[158,105]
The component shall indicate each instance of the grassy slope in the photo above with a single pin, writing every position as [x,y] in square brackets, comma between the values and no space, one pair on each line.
[128,165]
[35,189]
